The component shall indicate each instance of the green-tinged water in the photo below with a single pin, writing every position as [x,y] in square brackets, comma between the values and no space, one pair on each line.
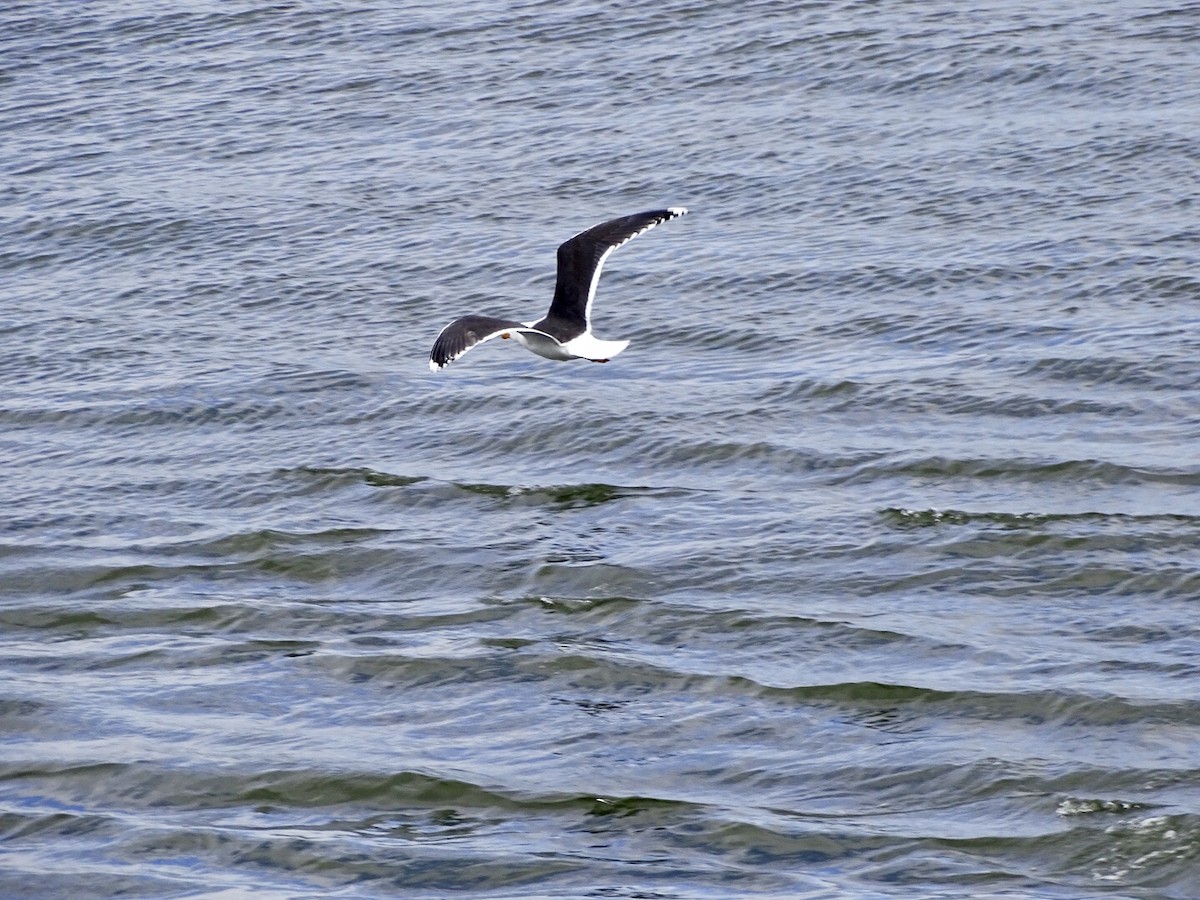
[871,568]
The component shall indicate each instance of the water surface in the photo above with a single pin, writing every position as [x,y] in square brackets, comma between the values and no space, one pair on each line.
[869,569]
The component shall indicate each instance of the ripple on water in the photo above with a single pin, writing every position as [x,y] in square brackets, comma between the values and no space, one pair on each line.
[867,569]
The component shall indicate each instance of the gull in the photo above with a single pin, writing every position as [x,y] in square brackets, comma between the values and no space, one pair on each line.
[565,332]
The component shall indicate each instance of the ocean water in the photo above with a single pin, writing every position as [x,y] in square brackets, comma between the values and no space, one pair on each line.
[870,569]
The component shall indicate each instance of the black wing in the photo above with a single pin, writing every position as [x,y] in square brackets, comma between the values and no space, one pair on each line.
[462,334]
[579,262]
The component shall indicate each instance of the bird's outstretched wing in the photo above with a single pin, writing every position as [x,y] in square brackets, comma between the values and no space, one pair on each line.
[579,262]
[464,333]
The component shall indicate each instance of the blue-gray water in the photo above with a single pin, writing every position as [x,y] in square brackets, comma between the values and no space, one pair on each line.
[870,569]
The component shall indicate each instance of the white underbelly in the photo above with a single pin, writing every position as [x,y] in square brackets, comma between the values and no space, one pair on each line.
[543,346]
[584,346]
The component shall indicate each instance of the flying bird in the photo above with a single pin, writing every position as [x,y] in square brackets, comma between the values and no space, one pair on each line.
[565,332]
